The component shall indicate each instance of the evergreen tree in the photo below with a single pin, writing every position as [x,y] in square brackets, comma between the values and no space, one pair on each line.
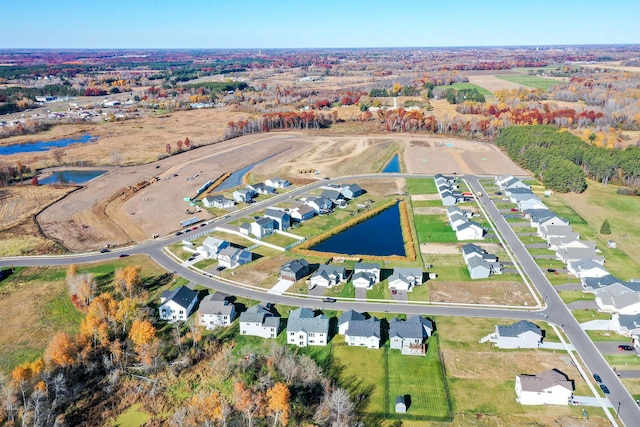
[606,227]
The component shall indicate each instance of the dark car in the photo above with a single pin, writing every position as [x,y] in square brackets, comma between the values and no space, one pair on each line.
[597,378]
[328,300]
[123,255]
[104,251]
[625,348]
[178,233]
[220,268]
[604,389]
[498,193]
[551,270]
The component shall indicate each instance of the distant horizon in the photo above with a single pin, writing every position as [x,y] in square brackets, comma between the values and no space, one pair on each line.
[287,24]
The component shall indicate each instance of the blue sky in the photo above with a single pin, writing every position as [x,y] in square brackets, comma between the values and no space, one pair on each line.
[326,23]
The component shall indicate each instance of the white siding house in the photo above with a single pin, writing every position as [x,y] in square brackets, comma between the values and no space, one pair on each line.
[304,328]
[547,388]
[216,310]
[258,321]
[177,304]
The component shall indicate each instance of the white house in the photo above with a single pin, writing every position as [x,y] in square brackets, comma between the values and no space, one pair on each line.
[328,276]
[365,275]
[262,227]
[280,217]
[363,333]
[346,318]
[277,182]
[404,279]
[258,321]
[212,246]
[586,268]
[304,328]
[626,324]
[216,310]
[469,230]
[409,336]
[319,204]
[522,334]
[244,194]
[218,201]
[177,304]
[547,388]
[618,298]
[231,257]
[302,213]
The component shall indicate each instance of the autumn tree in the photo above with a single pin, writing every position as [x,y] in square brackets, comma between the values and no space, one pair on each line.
[126,311]
[61,350]
[142,335]
[250,404]
[127,282]
[100,319]
[278,403]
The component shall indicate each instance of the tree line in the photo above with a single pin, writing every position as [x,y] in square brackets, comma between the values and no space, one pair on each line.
[562,160]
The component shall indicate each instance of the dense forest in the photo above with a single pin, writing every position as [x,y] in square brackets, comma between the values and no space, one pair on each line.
[562,160]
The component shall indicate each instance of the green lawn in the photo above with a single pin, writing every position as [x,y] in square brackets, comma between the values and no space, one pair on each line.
[587,315]
[531,81]
[434,229]
[466,85]
[426,203]
[133,417]
[624,360]
[606,336]
[421,186]
[422,378]
[571,296]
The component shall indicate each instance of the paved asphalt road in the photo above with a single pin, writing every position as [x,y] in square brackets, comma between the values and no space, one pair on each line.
[556,311]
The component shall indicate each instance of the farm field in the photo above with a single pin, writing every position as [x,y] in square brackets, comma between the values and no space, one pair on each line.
[458,86]
[530,81]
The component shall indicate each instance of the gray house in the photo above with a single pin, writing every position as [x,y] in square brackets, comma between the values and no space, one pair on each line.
[409,336]
[262,227]
[294,270]
[404,279]
[218,201]
[351,191]
[302,213]
[365,275]
[258,321]
[281,218]
[448,199]
[328,275]
[480,263]
[244,194]
[212,246]
[346,318]
[522,334]
[304,328]
[216,310]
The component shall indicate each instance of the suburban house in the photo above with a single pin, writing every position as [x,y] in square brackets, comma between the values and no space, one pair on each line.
[457,219]
[404,279]
[586,268]
[231,257]
[592,284]
[261,188]
[626,324]
[212,246]
[618,298]
[365,275]
[456,210]
[363,333]
[332,194]
[328,275]
[470,230]
[216,310]
[556,230]
[522,334]
[294,270]
[570,253]
[281,218]
[218,201]
[258,321]
[509,181]
[351,191]
[319,204]
[480,263]
[277,182]
[409,335]
[177,304]
[244,194]
[304,328]
[345,319]
[547,388]
[262,227]
[448,199]
[302,213]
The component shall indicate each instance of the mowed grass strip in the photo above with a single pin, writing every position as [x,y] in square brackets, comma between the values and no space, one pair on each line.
[434,229]
[466,85]
[421,186]
[531,81]
[422,379]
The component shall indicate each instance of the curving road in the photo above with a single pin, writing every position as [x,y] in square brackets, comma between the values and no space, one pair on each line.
[554,310]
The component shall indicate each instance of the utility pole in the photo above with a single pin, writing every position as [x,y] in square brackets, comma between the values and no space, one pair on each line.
[618,411]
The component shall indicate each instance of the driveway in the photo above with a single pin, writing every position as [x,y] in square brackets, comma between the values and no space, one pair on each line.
[361,294]
[583,304]
[280,287]
[318,291]
[607,347]
[401,296]
[569,287]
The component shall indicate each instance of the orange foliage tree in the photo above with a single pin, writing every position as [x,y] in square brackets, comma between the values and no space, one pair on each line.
[61,350]
[278,398]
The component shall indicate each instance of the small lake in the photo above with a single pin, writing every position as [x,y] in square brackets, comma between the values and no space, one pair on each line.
[71,177]
[393,166]
[235,179]
[31,147]
[380,235]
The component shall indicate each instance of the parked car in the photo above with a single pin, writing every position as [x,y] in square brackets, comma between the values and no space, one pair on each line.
[498,193]
[551,270]
[328,299]
[178,233]
[623,347]
[604,389]
[220,268]
[514,209]
[394,291]
[123,255]
[597,378]
[104,251]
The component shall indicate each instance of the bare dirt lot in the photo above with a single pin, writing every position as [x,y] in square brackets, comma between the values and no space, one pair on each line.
[481,292]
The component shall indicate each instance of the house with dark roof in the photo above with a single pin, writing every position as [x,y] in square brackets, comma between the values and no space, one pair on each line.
[281,218]
[332,194]
[522,334]
[351,191]
[177,304]
[546,388]
[448,198]
[262,227]
[216,310]
[347,317]
[626,324]
[365,275]
[232,257]
[219,201]
[404,279]
[409,335]
[363,333]
[304,328]
[592,284]
[294,270]
[319,204]
[244,194]
[259,321]
[480,263]
[328,275]
[470,230]
[261,188]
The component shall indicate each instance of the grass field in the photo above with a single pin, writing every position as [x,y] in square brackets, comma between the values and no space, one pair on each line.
[133,417]
[458,86]
[531,81]
[434,229]
[421,186]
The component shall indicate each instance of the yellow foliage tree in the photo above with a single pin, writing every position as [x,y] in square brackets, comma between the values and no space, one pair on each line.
[127,281]
[61,350]
[278,398]
[142,332]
